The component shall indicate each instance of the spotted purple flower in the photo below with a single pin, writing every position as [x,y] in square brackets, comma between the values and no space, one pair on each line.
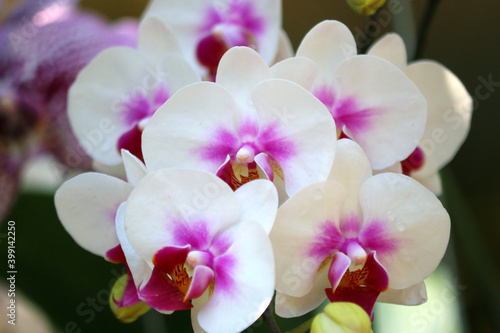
[44,46]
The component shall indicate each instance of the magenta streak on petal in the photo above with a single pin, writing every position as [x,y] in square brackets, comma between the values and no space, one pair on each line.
[196,234]
[350,225]
[348,113]
[221,243]
[238,13]
[135,109]
[202,276]
[162,294]
[140,106]
[375,237]
[131,141]
[161,95]
[326,96]
[328,239]
[224,267]
[223,143]
[225,26]
[276,144]
[248,130]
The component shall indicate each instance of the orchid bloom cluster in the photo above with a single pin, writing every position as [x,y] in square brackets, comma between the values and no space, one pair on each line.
[233,170]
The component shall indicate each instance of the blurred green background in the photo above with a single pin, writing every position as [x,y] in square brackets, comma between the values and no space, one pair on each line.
[71,285]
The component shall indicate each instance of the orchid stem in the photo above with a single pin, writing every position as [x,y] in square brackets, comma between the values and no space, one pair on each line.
[270,320]
[303,328]
[403,23]
[424,27]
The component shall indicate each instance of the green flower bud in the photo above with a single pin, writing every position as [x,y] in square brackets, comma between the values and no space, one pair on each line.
[342,317]
[366,7]
[126,314]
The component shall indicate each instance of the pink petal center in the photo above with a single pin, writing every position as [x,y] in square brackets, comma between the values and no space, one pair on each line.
[348,113]
[235,154]
[137,112]
[236,23]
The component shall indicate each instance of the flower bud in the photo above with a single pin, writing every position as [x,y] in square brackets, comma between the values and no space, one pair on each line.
[342,317]
[366,7]
[126,314]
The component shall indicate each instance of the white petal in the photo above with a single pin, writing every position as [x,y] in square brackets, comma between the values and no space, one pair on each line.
[300,70]
[244,283]
[184,19]
[413,295]
[240,79]
[169,69]
[432,182]
[390,47]
[134,168]
[198,304]
[176,207]
[156,39]
[268,42]
[141,271]
[290,307]
[279,183]
[297,236]
[350,168]
[117,170]
[328,44]
[186,123]
[407,226]
[95,101]
[302,135]
[258,203]
[87,205]
[395,168]
[393,114]
[449,113]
